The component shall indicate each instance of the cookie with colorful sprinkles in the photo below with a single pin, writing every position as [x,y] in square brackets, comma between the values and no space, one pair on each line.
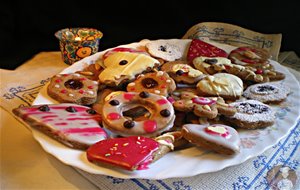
[130,153]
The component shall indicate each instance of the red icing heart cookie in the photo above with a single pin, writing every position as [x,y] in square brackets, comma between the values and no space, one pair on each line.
[131,153]
[201,48]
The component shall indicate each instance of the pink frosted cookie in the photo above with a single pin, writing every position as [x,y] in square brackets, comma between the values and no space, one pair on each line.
[219,138]
[157,82]
[73,88]
[267,92]
[73,125]
[159,114]
[251,114]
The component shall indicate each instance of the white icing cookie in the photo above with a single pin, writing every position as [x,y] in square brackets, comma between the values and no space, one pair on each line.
[161,117]
[220,138]
[168,50]
[125,65]
[225,85]
[267,92]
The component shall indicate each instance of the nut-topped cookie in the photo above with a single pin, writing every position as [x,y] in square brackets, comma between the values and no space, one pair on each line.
[227,86]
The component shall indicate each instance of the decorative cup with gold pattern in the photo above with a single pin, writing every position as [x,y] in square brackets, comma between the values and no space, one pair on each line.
[78,43]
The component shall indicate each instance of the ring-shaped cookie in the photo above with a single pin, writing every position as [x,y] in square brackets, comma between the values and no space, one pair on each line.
[159,83]
[73,88]
[161,115]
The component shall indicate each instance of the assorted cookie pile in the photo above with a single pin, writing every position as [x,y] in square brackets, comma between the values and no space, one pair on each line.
[142,103]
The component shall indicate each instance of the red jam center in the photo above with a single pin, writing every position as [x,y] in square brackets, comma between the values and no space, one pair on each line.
[203,101]
[215,132]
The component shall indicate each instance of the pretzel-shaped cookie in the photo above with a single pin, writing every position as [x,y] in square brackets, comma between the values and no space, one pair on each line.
[203,106]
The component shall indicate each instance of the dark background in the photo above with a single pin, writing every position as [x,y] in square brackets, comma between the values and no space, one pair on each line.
[28,28]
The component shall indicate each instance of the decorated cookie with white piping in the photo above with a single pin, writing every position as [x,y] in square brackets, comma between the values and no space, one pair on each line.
[208,107]
[220,138]
[181,72]
[227,86]
[249,56]
[73,125]
[73,88]
[212,65]
[267,92]
[157,82]
[158,115]
[251,114]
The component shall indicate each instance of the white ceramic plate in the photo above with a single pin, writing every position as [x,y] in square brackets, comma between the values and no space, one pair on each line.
[190,161]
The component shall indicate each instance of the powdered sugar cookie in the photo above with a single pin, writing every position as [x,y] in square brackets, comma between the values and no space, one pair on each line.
[227,86]
[219,138]
[160,118]
[157,82]
[267,92]
[73,88]
[73,125]
[251,114]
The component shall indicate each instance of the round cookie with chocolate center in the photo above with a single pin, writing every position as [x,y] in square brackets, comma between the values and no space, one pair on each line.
[73,88]
[267,92]
[251,114]
[158,82]
[155,113]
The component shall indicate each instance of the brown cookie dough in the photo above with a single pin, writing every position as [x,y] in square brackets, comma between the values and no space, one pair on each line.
[267,92]
[249,56]
[160,119]
[220,138]
[73,88]
[220,64]
[203,106]
[181,72]
[251,114]
[157,82]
